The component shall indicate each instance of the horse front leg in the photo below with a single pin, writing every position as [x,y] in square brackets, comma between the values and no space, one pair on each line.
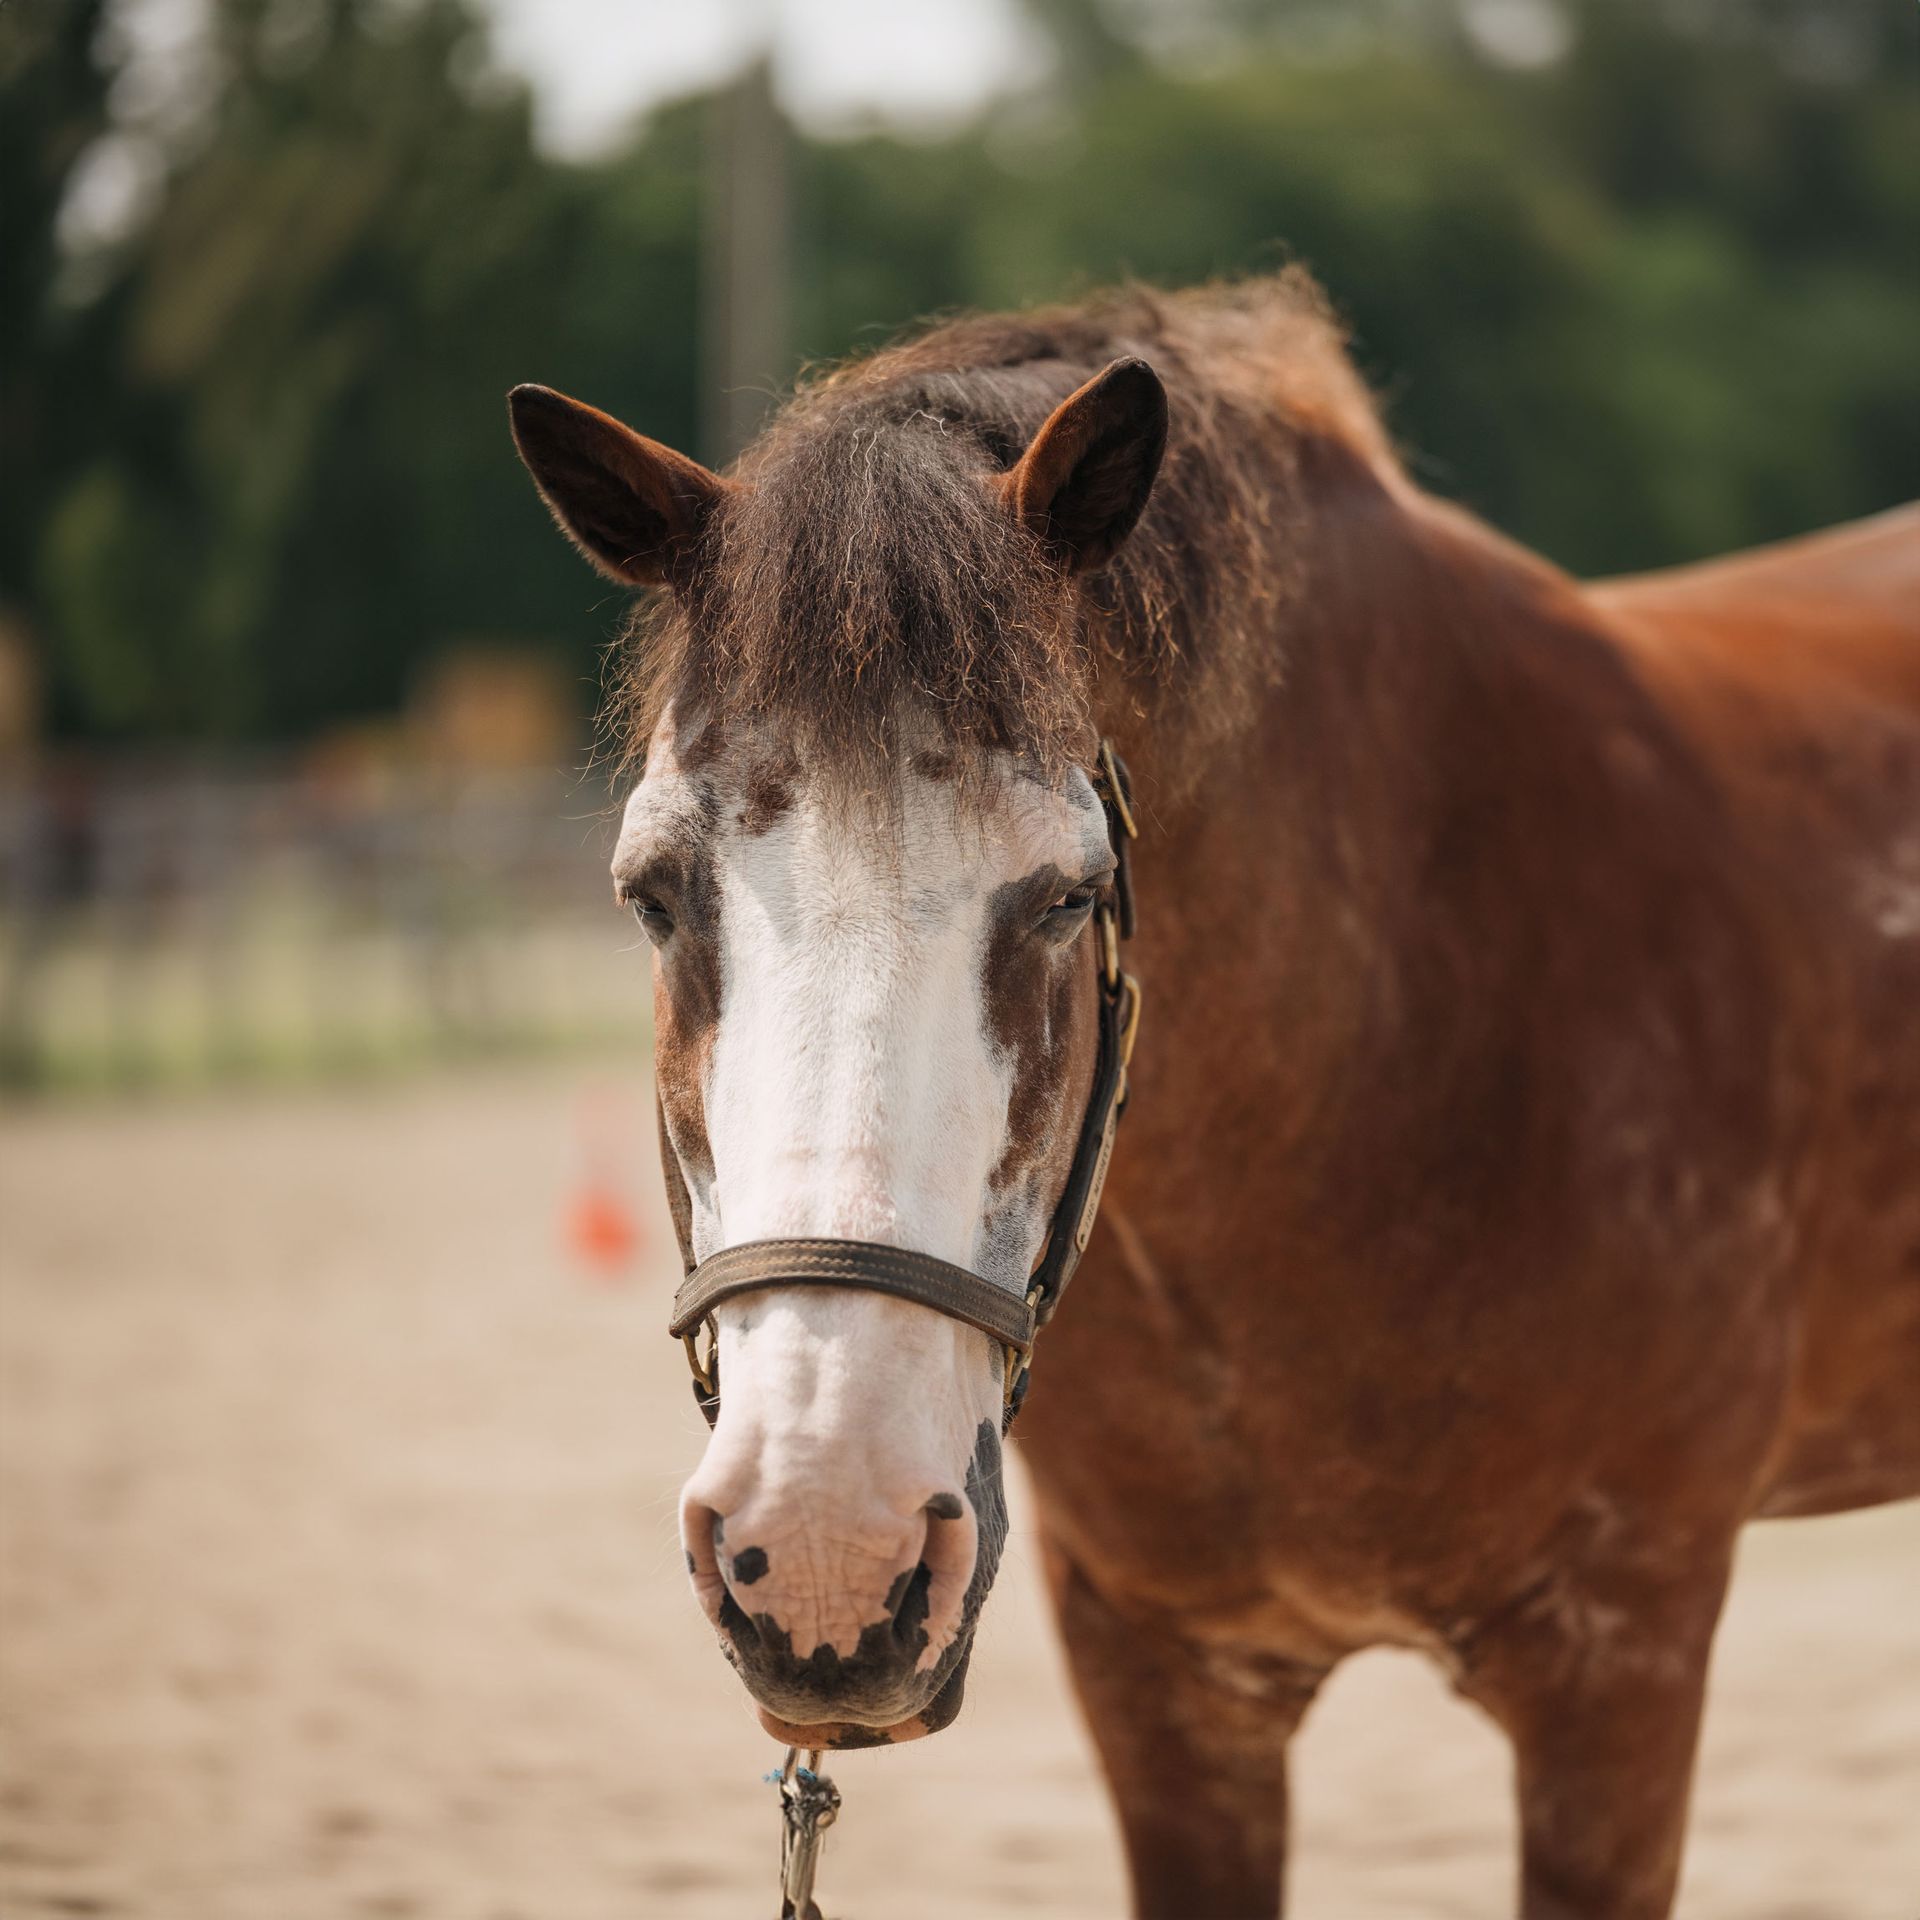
[1194,1745]
[1598,1678]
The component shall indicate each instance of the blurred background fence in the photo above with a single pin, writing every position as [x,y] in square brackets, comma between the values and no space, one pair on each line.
[390,893]
[167,923]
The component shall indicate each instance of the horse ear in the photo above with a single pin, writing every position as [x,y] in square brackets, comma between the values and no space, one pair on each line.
[1084,481]
[632,506]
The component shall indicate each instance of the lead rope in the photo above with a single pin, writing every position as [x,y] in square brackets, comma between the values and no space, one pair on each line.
[809,1805]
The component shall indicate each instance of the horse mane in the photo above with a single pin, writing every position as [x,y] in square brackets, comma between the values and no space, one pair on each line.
[864,572]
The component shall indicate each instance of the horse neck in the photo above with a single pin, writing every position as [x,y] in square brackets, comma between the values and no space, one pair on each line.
[1410,797]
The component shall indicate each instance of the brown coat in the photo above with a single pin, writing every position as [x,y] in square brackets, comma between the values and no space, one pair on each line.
[1521,1188]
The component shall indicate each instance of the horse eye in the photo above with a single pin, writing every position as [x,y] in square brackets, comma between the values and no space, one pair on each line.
[655,921]
[1070,904]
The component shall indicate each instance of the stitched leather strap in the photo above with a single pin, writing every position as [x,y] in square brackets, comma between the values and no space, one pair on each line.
[864,1264]
[1080,1199]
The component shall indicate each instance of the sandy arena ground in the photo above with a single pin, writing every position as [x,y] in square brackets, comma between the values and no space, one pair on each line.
[338,1578]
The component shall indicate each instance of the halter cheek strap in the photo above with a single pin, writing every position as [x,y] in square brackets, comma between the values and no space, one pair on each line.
[918,1277]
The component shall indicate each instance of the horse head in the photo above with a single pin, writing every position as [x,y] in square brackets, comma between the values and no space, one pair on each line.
[870,857]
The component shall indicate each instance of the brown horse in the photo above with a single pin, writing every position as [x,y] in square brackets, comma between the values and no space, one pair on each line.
[1520,1187]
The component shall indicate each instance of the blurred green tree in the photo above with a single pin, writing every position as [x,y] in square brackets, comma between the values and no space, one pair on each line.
[1639,279]
[294,479]
[53,107]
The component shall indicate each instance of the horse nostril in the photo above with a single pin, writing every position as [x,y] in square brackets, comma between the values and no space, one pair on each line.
[907,1602]
[945,1506]
[700,1538]
[704,1534]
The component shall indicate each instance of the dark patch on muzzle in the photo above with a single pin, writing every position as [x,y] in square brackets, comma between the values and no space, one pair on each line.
[870,1695]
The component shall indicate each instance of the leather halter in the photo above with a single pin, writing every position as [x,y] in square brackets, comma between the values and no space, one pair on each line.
[919,1277]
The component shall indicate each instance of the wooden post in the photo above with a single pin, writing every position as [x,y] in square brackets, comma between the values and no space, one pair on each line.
[745,265]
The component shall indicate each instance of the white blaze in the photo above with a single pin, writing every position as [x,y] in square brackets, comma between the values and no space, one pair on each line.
[855,1091]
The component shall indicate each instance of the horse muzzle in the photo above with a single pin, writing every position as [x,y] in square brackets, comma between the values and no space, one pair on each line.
[846,1735]
[850,1623]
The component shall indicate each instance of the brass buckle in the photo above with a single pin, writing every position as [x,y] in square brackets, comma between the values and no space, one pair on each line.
[704,1371]
[1020,1364]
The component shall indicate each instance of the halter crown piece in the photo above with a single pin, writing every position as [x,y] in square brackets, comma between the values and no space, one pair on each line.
[919,1277]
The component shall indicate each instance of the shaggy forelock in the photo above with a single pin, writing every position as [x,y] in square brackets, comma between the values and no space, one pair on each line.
[866,578]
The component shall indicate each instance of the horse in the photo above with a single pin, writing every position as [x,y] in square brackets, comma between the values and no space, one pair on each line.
[1517,1192]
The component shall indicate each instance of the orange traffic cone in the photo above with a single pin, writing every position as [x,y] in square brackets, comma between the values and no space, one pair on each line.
[600,1232]
[599,1227]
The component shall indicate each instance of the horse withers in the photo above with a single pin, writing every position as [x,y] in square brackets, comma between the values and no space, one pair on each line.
[1518,1192]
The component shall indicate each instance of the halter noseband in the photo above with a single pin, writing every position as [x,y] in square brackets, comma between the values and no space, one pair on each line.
[919,1277]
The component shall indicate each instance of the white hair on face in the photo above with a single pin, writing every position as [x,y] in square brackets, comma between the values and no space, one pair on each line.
[855,1090]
